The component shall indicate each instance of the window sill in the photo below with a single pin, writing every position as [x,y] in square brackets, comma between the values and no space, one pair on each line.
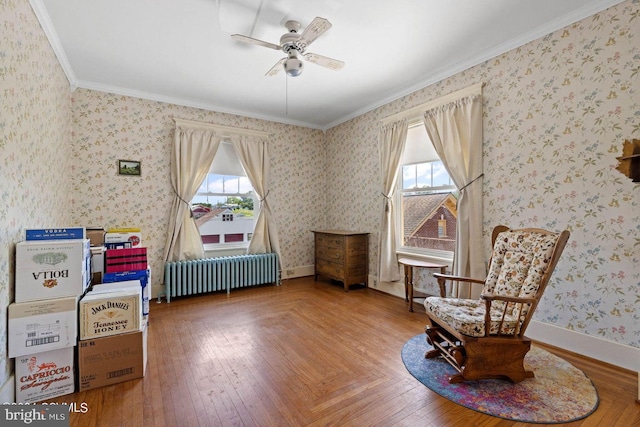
[438,258]
[212,251]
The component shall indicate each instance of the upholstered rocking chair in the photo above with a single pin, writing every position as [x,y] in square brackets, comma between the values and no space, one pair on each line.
[485,338]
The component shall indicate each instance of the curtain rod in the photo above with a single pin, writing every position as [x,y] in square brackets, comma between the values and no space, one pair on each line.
[416,112]
[227,130]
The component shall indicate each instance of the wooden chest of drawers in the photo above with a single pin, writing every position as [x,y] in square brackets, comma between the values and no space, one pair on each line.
[342,255]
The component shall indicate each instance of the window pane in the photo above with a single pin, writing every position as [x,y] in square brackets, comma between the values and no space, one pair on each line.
[235,237]
[440,175]
[408,176]
[429,221]
[428,197]
[423,175]
[231,184]
[224,209]
[211,238]
[245,185]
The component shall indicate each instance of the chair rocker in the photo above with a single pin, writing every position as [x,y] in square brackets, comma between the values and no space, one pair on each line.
[485,338]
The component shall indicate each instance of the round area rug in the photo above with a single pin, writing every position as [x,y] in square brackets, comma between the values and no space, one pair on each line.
[559,392]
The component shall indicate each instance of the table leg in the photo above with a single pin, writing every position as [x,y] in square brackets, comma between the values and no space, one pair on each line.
[410,288]
[406,283]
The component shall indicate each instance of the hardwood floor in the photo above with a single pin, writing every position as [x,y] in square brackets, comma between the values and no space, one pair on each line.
[302,354]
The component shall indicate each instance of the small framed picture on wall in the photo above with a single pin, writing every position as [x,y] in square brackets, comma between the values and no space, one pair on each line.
[129,167]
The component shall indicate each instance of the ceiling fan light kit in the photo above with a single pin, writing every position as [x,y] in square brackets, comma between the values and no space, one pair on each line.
[294,45]
[293,66]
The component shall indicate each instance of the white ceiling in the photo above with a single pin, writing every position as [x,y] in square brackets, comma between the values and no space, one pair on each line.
[181,52]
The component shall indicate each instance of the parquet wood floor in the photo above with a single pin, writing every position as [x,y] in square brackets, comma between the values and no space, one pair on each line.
[302,354]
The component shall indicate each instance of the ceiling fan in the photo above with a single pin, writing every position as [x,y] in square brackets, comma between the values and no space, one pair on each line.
[294,45]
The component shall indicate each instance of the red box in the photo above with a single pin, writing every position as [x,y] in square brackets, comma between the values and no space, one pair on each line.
[117,260]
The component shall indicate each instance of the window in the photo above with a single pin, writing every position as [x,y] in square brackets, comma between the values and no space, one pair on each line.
[223,207]
[428,197]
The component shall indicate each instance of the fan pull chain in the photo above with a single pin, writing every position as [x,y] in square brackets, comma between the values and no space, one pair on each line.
[286,94]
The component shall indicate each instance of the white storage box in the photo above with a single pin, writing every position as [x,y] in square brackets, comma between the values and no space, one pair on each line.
[133,237]
[52,269]
[38,326]
[144,276]
[110,313]
[45,375]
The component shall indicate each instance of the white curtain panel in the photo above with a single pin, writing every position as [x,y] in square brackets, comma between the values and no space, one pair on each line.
[390,147]
[253,153]
[455,129]
[193,153]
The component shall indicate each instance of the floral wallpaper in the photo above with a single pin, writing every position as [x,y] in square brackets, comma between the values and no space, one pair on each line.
[109,127]
[35,154]
[556,112]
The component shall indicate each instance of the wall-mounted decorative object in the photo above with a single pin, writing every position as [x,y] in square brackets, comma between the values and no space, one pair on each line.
[128,167]
[630,160]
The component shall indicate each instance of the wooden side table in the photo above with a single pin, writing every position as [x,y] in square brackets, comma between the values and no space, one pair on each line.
[409,265]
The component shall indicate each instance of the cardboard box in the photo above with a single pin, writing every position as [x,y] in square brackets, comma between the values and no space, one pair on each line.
[124,236]
[48,269]
[97,264]
[95,235]
[112,360]
[143,276]
[110,313]
[118,260]
[45,375]
[38,326]
[68,233]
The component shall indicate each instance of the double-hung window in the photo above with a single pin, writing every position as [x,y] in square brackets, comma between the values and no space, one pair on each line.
[223,207]
[427,199]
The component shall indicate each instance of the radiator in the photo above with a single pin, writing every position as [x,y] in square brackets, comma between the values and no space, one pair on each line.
[183,278]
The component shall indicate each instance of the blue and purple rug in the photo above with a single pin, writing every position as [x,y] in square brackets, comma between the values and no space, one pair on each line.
[559,392]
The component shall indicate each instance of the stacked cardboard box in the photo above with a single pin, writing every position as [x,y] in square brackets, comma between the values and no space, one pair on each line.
[56,309]
[52,274]
[113,315]
[112,346]
[126,259]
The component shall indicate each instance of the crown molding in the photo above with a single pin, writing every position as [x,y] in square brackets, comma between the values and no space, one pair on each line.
[45,22]
[434,77]
[439,75]
[189,103]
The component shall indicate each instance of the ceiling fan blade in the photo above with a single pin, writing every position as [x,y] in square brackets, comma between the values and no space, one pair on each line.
[276,68]
[324,61]
[314,30]
[251,40]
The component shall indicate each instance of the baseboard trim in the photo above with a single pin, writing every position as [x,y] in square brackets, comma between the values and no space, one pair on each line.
[394,288]
[292,273]
[624,356]
[8,390]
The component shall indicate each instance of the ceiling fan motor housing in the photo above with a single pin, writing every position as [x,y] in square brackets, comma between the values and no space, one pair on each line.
[293,66]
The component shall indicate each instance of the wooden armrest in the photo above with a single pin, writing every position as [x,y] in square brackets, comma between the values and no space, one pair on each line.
[488,300]
[441,276]
[442,280]
[493,297]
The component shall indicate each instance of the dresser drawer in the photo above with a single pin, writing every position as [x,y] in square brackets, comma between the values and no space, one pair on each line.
[330,269]
[330,254]
[330,240]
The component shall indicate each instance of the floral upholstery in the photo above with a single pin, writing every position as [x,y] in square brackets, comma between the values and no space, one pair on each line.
[517,267]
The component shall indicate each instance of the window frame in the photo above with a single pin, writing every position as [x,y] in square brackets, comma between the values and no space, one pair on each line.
[410,251]
[228,246]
